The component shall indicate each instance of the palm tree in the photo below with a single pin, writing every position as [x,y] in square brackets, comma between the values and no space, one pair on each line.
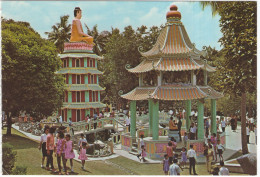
[216,8]
[60,33]
[100,39]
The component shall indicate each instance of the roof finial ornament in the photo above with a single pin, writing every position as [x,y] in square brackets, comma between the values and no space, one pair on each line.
[128,66]
[120,92]
[140,49]
[173,15]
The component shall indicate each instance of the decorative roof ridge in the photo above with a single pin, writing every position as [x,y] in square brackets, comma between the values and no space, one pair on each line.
[166,37]
[157,44]
[201,90]
[145,87]
[192,60]
[205,64]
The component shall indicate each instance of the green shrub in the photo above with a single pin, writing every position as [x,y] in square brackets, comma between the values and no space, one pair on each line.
[8,157]
[19,170]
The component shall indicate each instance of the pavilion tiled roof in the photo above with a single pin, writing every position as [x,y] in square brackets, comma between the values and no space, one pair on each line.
[78,71]
[173,41]
[178,92]
[172,92]
[177,64]
[168,64]
[85,105]
[145,66]
[139,93]
[82,87]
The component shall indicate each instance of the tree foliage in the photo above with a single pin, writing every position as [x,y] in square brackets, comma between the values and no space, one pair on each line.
[121,50]
[29,64]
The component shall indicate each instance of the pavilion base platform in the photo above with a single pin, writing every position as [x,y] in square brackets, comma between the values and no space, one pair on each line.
[127,141]
[156,149]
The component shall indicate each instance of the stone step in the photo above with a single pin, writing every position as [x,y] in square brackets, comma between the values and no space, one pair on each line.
[134,149]
[133,153]
[135,144]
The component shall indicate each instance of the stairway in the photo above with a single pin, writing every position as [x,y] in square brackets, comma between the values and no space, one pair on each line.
[134,150]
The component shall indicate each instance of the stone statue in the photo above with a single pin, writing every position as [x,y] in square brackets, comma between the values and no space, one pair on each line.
[77,34]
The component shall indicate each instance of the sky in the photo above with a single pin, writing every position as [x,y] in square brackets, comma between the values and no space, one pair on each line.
[202,28]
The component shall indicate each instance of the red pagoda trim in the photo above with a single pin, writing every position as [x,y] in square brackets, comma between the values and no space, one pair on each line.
[77,46]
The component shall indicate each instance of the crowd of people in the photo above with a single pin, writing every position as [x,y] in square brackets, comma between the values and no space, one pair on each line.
[60,146]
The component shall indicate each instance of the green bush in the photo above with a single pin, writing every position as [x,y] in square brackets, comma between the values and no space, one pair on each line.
[8,157]
[19,170]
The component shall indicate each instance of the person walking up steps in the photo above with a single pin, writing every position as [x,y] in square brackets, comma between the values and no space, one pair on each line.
[166,164]
[69,154]
[82,155]
[192,155]
[141,144]
[143,154]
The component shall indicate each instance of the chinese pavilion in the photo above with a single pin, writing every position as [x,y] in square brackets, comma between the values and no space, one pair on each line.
[82,92]
[173,52]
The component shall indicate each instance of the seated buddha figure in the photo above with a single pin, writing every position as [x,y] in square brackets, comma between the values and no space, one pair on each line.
[77,34]
[172,125]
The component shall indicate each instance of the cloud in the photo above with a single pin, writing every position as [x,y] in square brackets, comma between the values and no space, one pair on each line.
[127,20]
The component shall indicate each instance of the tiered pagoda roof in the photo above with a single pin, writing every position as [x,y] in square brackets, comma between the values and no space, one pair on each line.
[173,51]
[176,92]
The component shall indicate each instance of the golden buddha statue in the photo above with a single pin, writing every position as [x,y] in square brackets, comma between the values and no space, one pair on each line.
[77,34]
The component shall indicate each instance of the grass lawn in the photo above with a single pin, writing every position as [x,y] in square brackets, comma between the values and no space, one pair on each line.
[28,155]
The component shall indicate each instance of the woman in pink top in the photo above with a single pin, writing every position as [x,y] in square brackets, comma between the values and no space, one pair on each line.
[169,151]
[69,154]
[50,149]
[82,154]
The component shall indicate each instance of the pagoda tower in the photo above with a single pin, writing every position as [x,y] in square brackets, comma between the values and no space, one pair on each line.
[82,91]
[173,52]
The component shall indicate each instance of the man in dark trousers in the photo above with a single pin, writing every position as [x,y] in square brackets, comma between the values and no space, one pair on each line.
[179,127]
[192,155]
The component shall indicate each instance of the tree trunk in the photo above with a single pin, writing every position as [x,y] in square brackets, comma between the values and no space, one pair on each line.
[9,124]
[243,124]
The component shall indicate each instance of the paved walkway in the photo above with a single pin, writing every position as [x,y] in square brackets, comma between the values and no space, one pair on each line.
[233,140]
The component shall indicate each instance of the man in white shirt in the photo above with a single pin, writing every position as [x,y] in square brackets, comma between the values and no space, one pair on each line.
[223,171]
[223,124]
[127,122]
[251,120]
[192,132]
[191,154]
[174,168]
[183,113]
[60,119]
[192,113]
[247,133]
